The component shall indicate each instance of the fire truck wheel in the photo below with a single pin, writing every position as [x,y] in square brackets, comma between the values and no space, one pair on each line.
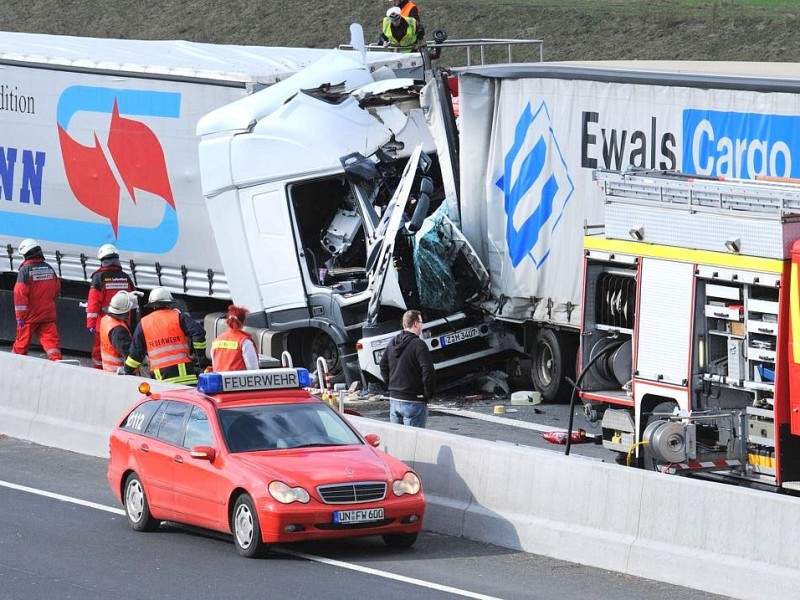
[648,460]
[551,362]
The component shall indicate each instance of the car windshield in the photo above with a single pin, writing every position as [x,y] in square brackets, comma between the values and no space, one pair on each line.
[276,426]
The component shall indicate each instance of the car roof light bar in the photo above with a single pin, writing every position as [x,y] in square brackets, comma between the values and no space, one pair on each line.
[256,380]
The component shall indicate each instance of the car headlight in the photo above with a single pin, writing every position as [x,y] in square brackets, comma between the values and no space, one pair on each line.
[286,495]
[409,484]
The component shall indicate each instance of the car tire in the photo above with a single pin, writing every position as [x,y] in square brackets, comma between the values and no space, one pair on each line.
[246,528]
[400,540]
[137,508]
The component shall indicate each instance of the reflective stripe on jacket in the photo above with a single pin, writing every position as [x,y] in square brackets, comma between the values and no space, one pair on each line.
[165,341]
[226,350]
[408,39]
[111,357]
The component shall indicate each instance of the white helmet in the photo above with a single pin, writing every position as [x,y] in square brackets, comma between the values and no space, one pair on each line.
[27,245]
[393,13]
[120,304]
[159,295]
[106,250]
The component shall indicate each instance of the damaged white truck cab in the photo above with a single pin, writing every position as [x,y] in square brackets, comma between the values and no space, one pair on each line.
[317,205]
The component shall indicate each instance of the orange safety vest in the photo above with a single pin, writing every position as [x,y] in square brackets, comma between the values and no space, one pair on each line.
[226,350]
[112,359]
[406,10]
[165,341]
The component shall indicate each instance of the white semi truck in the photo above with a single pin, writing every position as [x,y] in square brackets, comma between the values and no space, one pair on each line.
[98,145]
[511,195]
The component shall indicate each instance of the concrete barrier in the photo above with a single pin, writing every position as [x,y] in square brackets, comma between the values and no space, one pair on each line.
[63,405]
[722,539]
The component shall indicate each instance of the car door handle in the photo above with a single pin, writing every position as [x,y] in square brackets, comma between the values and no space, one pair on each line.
[178,459]
[144,448]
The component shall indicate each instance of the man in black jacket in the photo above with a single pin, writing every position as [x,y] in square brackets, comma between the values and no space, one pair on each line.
[407,367]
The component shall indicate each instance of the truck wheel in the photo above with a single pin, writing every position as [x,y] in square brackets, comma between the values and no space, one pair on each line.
[551,362]
[317,343]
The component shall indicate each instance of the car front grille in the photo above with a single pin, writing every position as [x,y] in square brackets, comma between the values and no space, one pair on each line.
[352,493]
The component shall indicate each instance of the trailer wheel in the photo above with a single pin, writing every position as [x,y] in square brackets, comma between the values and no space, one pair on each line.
[317,343]
[551,362]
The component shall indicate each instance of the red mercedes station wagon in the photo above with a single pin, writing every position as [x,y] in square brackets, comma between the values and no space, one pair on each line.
[253,454]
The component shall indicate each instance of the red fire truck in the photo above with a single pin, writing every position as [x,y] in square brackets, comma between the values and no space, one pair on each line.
[690,341]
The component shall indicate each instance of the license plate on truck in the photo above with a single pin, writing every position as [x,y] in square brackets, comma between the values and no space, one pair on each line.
[345,517]
[459,336]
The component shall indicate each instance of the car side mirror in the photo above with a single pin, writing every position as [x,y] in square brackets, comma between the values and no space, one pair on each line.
[373,439]
[203,453]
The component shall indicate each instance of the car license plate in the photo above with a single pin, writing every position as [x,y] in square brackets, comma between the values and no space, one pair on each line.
[459,336]
[344,517]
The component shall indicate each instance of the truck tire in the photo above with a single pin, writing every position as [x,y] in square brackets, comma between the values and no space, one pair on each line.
[316,343]
[552,359]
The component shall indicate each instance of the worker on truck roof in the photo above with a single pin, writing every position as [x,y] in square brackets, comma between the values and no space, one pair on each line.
[169,338]
[399,31]
[409,9]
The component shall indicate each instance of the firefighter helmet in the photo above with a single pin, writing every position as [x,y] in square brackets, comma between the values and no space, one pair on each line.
[107,251]
[120,304]
[159,295]
[27,245]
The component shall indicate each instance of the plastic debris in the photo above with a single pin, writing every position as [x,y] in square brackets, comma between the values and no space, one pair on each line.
[560,437]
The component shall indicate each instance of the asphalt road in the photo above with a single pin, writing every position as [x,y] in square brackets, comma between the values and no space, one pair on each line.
[63,535]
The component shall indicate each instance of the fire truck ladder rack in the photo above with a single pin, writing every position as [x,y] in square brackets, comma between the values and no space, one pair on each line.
[767,199]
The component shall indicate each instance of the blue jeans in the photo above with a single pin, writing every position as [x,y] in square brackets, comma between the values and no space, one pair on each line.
[403,412]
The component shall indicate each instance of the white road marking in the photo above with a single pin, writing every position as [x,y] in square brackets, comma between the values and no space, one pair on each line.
[386,575]
[62,498]
[501,420]
[319,559]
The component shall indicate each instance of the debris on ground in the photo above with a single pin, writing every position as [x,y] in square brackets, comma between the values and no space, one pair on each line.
[560,437]
[494,382]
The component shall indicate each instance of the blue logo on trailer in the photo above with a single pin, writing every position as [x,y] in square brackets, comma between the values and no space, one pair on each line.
[536,187]
[741,145]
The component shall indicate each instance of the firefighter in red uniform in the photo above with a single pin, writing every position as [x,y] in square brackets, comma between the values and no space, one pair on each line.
[105,283]
[168,337]
[115,332]
[35,294]
[234,349]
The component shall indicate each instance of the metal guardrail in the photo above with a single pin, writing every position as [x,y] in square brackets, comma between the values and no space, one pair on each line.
[482,47]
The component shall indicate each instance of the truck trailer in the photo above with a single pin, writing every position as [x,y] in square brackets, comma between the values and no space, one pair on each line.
[530,136]
[97,145]
[689,350]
